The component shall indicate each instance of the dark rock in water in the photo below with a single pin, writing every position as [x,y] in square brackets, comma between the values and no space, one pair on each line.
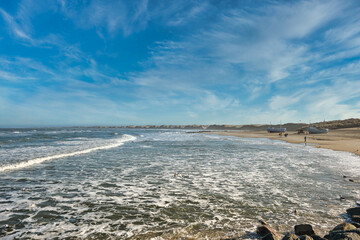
[355,218]
[304,229]
[263,230]
[353,179]
[290,236]
[353,211]
[266,233]
[357,225]
[316,237]
[354,214]
[305,237]
[5,229]
[348,235]
[344,227]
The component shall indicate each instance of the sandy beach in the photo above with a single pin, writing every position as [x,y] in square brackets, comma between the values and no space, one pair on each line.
[345,139]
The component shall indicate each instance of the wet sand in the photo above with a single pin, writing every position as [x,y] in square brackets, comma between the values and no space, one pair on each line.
[344,139]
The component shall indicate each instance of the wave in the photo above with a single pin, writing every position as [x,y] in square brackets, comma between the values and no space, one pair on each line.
[29,163]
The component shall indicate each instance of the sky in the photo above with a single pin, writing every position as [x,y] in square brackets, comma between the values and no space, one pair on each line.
[103,62]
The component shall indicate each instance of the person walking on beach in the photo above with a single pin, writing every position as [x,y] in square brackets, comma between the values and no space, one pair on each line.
[305,140]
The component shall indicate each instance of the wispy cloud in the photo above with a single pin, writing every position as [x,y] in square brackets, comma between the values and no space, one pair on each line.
[20,28]
[130,16]
[284,102]
[185,13]
[14,27]
[111,15]
[9,76]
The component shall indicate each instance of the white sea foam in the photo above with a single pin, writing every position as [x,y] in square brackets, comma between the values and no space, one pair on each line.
[29,163]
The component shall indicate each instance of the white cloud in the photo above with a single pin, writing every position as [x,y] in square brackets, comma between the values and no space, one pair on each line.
[345,33]
[111,15]
[184,16]
[14,27]
[130,16]
[19,68]
[271,43]
[20,27]
[278,102]
[324,101]
[9,76]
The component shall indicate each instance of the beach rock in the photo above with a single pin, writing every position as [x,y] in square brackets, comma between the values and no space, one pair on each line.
[304,229]
[266,233]
[316,237]
[357,225]
[353,211]
[354,214]
[355,218]
[290,236]
[344,227]
[305,237]
[348,235]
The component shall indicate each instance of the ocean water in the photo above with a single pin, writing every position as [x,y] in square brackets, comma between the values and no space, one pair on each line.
[111,183]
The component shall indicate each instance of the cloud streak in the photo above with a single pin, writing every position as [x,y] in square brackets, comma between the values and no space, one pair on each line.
[130,16]
[14,27]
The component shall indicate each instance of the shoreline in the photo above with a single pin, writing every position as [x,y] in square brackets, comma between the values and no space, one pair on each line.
[343,139]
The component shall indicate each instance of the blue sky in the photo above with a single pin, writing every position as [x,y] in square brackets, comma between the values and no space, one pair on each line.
[97,62]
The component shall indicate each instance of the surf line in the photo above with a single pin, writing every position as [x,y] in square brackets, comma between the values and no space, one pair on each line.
[126,138]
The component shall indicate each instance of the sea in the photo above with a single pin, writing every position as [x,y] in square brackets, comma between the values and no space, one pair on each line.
[115,183]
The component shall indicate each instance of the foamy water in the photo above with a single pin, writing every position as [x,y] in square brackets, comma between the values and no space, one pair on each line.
[113,183]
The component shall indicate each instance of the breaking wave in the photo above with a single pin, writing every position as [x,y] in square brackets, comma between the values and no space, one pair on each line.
[35,161]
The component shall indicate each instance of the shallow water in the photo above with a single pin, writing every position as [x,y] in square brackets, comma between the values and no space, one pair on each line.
[114,183]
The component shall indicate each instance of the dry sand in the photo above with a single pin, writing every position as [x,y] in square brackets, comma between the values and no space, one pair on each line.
[345,139]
